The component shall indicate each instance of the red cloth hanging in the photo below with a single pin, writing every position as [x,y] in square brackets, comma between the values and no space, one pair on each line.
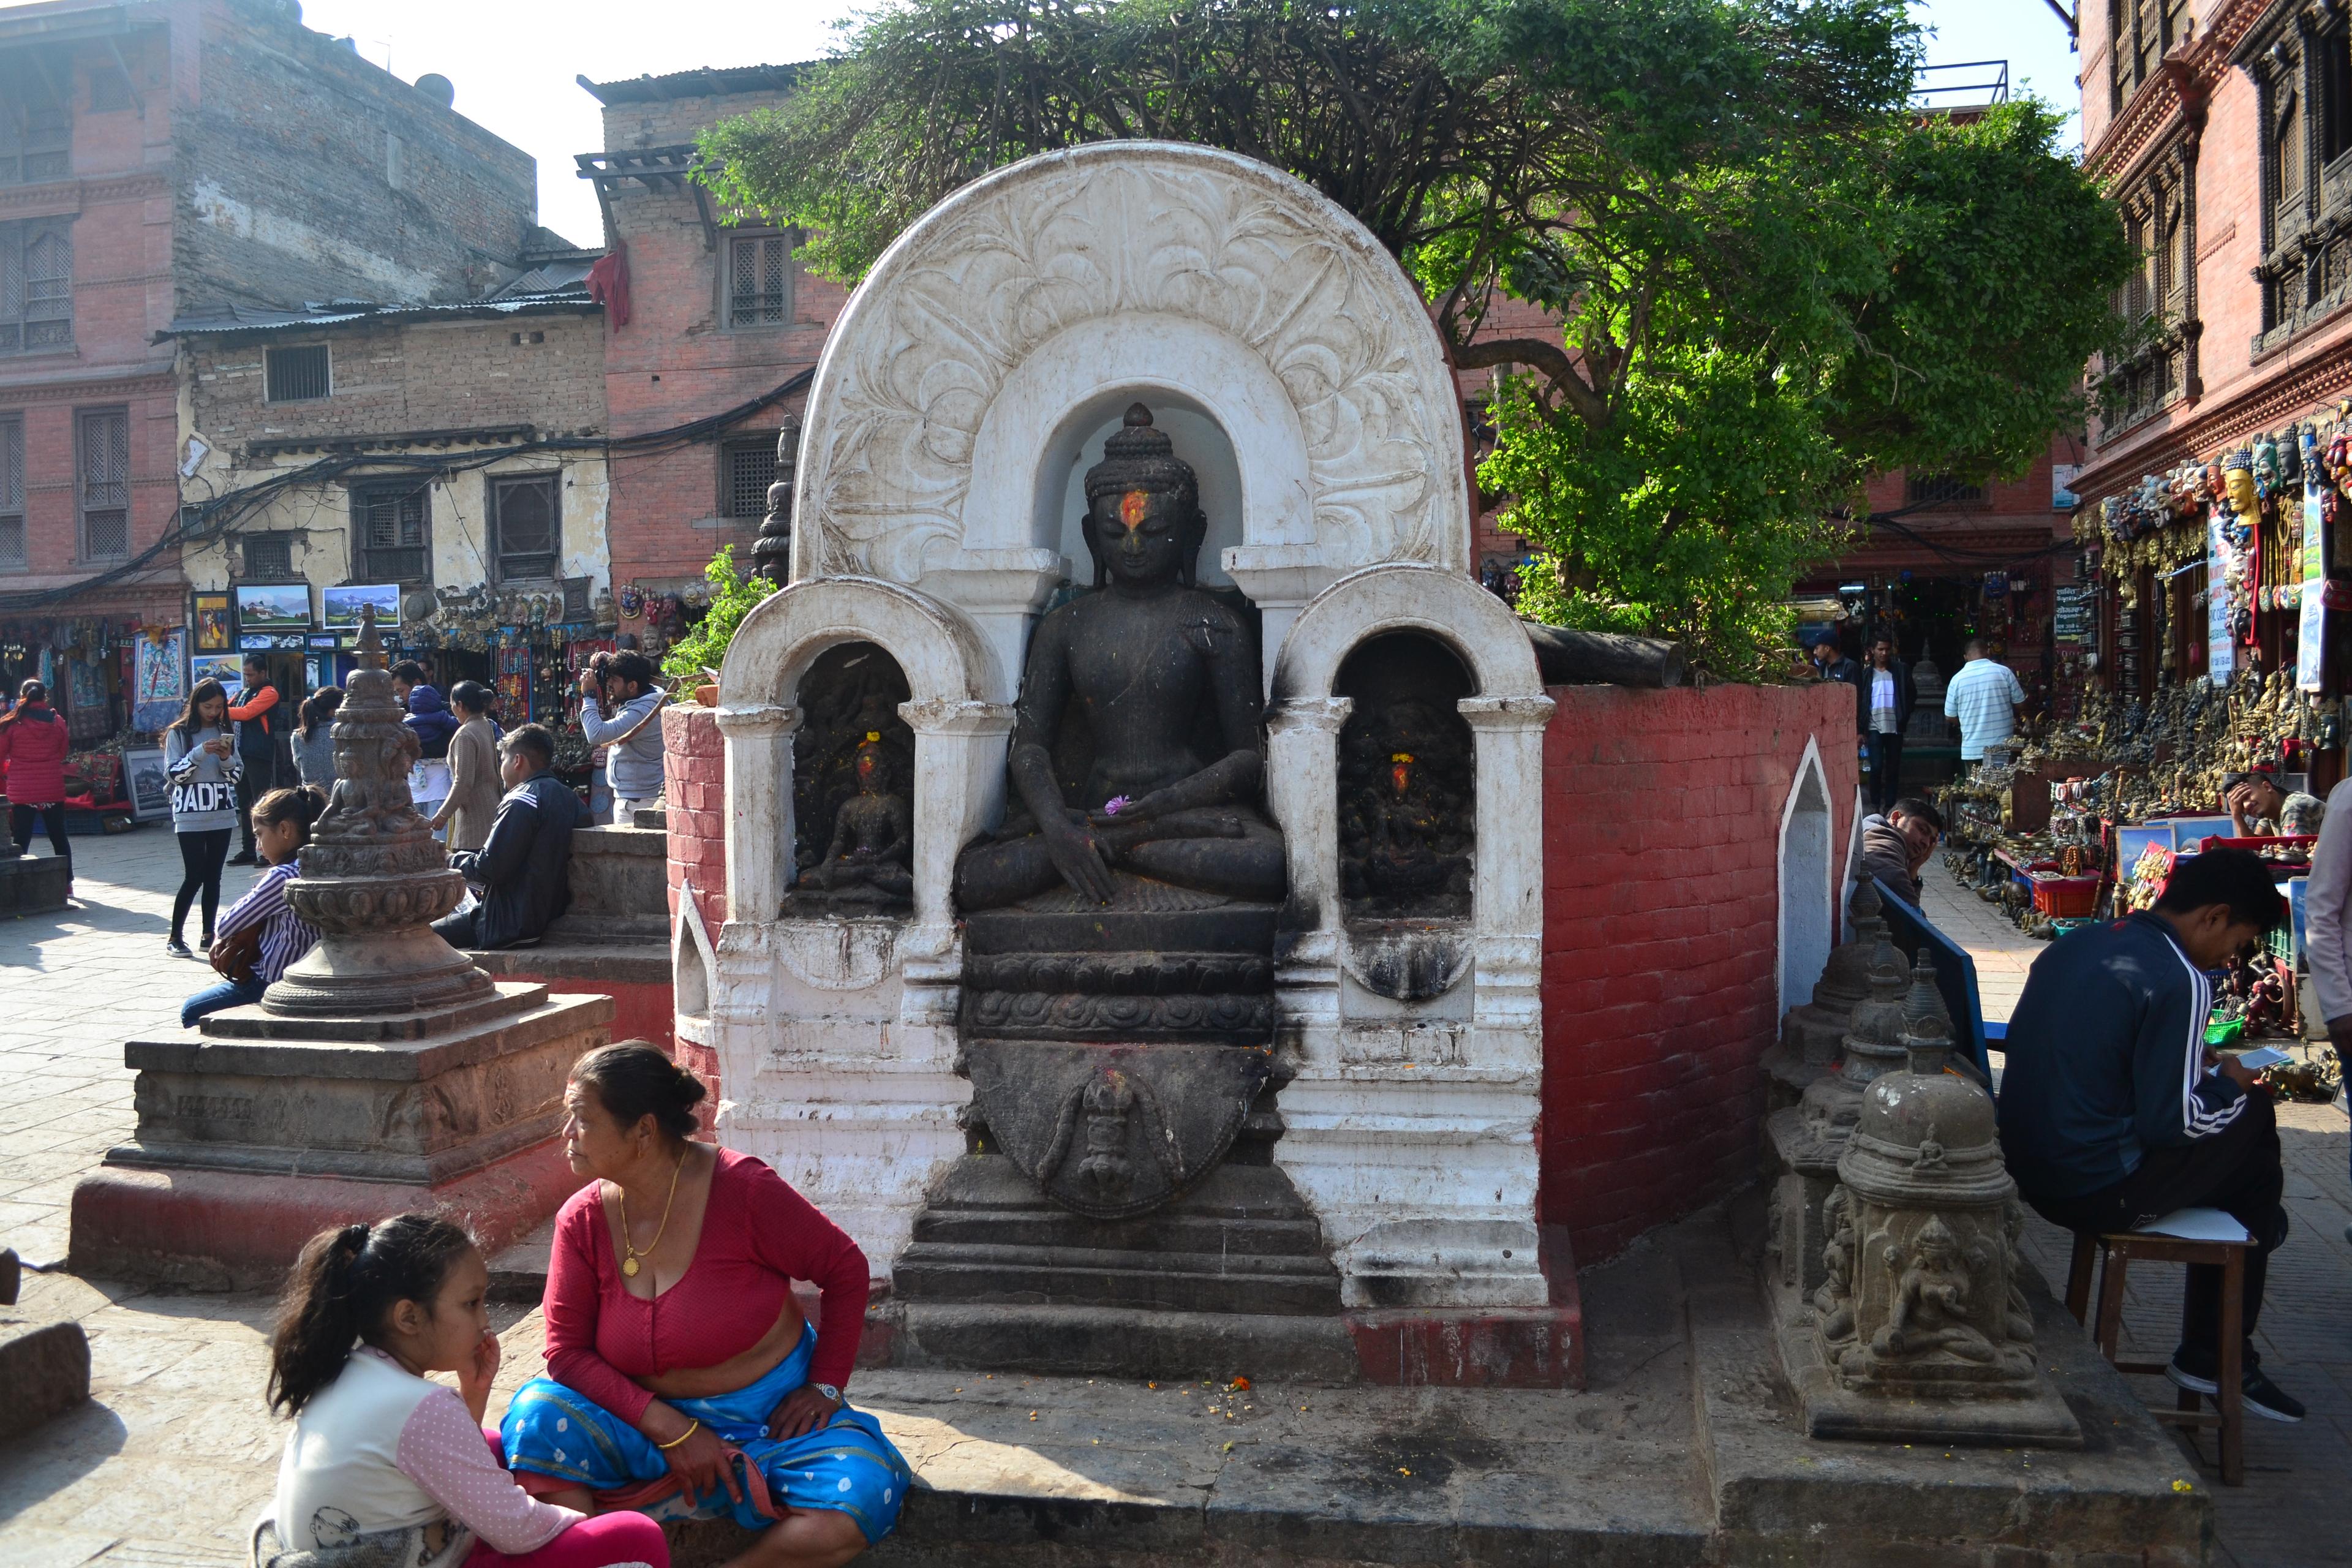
[608,282]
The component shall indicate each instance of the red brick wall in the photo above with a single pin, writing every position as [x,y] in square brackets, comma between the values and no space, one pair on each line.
[1661,826]
[695,790]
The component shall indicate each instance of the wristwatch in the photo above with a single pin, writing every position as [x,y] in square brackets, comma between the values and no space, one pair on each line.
[828,1391]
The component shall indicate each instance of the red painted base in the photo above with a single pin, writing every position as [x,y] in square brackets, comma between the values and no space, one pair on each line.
[218,1230]
[1481,1347]
[640,1011]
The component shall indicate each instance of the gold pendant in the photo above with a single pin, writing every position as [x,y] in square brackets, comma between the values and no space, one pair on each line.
[629,1266]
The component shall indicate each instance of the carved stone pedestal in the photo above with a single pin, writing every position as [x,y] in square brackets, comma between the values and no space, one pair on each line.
[264,1131]
[1920,1329]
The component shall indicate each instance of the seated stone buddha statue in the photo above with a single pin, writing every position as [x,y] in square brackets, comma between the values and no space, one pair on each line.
[1164,676]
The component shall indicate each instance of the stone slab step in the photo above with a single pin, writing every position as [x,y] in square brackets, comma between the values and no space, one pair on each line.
[1169,1233]
[1119,1341]
[1169,1282]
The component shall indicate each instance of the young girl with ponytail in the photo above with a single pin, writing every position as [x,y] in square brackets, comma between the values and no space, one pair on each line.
[381,1456]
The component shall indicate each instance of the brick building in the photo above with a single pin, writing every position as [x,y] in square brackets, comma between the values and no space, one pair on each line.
[160,159]
[721,317]
[453,453]
[2224,132]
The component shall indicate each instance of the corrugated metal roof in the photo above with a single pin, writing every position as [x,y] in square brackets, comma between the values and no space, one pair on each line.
[709,82]
[513,302]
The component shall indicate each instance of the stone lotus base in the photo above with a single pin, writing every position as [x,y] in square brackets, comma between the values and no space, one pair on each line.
[263,1131]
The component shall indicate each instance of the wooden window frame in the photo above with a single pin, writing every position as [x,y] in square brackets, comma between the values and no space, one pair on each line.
[787,298]
[36,314]
[365,567]
[730,454]
[500,486]
[87,488]
[13,519]
[271,356]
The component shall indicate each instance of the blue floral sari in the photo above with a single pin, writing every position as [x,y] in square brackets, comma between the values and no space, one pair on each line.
[846,1465]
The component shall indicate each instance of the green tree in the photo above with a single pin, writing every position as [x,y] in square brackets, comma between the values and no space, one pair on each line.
[1769,276]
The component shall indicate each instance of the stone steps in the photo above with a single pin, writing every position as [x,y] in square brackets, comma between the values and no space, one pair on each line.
[1164,1281]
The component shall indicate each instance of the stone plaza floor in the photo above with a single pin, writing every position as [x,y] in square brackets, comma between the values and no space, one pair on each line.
[174,1457]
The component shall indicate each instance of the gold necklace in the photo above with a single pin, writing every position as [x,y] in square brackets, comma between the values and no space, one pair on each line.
[629,1265]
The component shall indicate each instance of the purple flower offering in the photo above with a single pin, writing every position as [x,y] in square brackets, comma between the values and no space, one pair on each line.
[1114,805]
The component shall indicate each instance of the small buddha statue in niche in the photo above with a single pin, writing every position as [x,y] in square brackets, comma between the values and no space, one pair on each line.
[873,837]
[1167,678]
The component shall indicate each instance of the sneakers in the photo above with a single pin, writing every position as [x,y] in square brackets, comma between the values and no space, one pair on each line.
[176,948]
[2260,1397]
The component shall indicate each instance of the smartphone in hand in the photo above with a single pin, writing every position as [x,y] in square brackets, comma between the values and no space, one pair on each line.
[2263,1057]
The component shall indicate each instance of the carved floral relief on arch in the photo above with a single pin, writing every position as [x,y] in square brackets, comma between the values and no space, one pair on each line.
[1119,229]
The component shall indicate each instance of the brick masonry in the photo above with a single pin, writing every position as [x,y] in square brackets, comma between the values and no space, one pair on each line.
[1662,823]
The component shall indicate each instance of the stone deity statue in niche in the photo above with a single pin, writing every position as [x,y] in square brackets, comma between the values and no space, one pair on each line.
[873,838]
[1165,677]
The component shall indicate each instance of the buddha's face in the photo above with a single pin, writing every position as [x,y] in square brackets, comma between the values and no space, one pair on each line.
[1141,535]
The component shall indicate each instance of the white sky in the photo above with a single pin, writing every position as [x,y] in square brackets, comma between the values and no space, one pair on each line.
[514,63]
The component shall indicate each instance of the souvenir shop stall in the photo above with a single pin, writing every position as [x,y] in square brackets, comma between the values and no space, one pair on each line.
[527,647]
[117,679]
[2212,638]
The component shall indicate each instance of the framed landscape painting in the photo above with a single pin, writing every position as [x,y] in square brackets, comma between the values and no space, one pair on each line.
[343,606]
[273,607]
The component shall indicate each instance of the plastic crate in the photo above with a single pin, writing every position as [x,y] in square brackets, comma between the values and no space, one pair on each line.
[2056,896]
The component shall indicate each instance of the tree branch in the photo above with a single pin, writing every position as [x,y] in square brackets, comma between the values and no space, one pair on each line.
[1551,361]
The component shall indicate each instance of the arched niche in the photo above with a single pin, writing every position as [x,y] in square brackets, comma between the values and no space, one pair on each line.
[853,784]
[1447,605]
[1407,795]
[1059,490]
[1109,271]
[1808,900]
[958,766]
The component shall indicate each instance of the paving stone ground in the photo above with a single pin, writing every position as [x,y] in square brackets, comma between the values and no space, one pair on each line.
[174,1457]
[2280,1516]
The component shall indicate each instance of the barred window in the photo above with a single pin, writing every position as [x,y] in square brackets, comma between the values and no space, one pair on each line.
[758,280]
[1926,489]
[102,442]
[294,374]
[12,495]
[38,146]
[389,524]
[523,519]
[268,557]
[745,472]
[36,285]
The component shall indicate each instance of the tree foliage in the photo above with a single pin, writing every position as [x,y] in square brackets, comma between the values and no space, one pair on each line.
[1769,276]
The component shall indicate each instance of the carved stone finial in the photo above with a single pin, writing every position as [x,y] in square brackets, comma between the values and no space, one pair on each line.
[772,553]
[371,647]
[1925,1000]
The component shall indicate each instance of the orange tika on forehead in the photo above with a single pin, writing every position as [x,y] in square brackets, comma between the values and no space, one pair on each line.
[1132,506]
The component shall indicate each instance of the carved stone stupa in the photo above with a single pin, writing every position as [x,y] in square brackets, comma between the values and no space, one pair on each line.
[383,1072]
[1921,1328]
[1810,1033]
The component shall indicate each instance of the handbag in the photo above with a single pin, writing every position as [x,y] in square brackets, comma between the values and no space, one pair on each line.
[234,955]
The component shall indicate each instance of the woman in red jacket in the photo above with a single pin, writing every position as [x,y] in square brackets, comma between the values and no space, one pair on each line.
[32,746]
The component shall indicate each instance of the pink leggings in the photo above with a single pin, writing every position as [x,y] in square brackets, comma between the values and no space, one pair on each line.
[600,1541]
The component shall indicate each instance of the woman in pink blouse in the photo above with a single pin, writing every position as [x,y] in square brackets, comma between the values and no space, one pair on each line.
[683,1378]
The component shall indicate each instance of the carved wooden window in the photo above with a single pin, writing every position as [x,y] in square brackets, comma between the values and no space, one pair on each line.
[2140,33]
[2331,83]
[268,557]
[390,525]
[35,140]
[36,285]
[12,557]
[1929,489]
[2286,142]
[745,472]
[758,280]
[102,449]
[526,525]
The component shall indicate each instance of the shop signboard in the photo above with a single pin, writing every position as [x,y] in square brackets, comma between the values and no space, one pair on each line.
[2221,647]
[2310,637]
[2071,619]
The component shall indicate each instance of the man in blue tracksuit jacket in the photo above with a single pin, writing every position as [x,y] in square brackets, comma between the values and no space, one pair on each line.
[2112,1112]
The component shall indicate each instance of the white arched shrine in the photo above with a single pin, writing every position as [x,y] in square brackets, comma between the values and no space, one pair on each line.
[1808,895]
[996,329]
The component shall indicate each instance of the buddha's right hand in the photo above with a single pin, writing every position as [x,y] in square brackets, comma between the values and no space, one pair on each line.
[1078,857]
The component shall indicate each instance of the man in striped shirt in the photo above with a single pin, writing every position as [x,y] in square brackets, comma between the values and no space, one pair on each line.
[2112,1112]
[261,935]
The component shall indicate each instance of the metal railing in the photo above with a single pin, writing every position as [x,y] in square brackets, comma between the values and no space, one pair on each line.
[1963,84]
